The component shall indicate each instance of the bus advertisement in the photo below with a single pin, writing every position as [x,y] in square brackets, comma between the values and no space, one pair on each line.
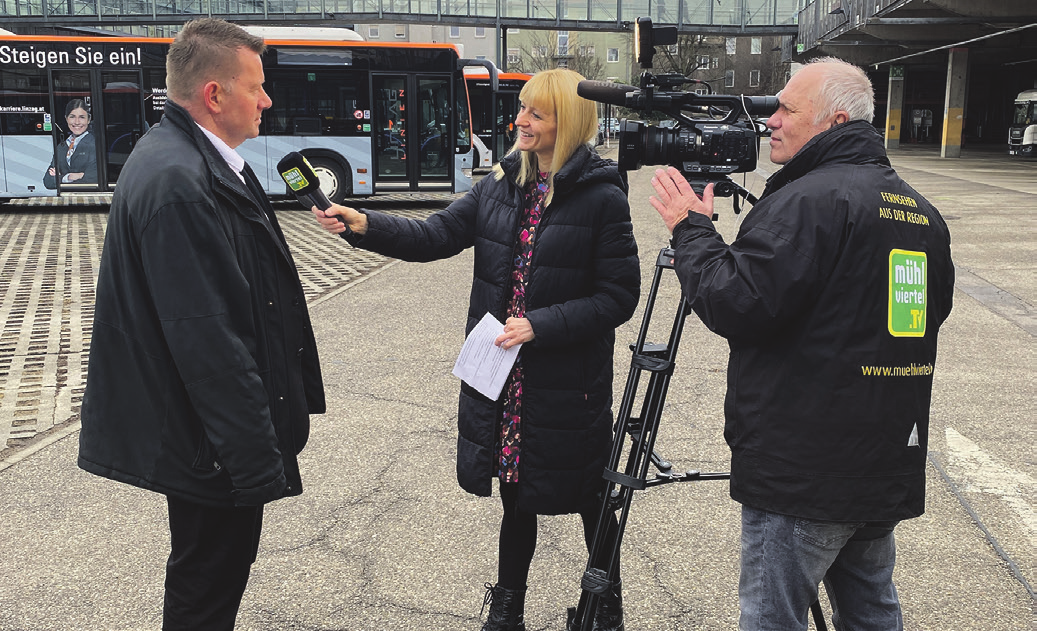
[370,117]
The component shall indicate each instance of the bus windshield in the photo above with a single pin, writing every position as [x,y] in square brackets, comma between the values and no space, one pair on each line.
[1023,113]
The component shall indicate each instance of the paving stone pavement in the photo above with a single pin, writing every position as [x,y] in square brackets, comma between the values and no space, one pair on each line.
[50,249]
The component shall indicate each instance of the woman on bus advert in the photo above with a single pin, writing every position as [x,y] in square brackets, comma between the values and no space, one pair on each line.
[556,262]
[78,165]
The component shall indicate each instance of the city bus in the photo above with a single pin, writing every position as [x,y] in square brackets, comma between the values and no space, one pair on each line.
[370,117]
[493,115]
[1022,129]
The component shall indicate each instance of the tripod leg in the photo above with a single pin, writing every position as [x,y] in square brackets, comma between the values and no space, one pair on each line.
[604,554]
[819,616]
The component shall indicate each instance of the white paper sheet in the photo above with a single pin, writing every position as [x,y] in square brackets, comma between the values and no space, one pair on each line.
[483,365]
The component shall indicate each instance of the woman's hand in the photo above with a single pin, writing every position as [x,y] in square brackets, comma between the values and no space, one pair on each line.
[330,219]
[516,331]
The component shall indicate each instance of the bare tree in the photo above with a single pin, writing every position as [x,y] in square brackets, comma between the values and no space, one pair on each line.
[541,52]
[694,56]
[538,53]
[583,59]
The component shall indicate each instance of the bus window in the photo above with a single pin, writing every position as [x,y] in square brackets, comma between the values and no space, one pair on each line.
[25,113]
[317,102]
[123,118]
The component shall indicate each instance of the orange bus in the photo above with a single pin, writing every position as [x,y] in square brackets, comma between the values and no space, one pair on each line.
[493,113]
[370,117]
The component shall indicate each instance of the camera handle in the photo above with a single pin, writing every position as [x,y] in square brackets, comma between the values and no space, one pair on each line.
[658,361]
[723,186]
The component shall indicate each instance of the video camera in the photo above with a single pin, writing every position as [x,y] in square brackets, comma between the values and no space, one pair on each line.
[711,139]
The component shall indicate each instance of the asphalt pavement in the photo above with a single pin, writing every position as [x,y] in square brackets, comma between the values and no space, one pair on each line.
[382,537]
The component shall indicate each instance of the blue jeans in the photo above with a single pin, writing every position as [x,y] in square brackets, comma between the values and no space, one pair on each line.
[785,558]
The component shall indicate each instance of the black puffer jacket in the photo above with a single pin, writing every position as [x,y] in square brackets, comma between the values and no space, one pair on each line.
[831,298]
[584,282]
[203,367]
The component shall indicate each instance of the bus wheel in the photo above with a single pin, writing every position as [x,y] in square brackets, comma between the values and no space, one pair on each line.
[332,179]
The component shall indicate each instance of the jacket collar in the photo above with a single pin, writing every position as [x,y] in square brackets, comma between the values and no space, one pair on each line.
[226,179]
[855,142]
[584,165]
[221,171]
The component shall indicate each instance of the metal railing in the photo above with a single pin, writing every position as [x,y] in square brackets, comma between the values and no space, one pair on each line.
[825,19]
[774,17]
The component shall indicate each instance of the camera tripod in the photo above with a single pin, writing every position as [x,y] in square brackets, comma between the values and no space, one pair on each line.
[658,361]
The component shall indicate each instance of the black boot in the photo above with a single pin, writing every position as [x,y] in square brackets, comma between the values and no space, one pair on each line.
[609,615]
[506,609]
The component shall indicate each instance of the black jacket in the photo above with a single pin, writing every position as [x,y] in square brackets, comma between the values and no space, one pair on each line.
[84,160]
[831,298]
[203,367]
[584,282]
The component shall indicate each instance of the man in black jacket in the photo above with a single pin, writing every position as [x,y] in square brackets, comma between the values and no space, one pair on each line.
[203,366]
[830,297]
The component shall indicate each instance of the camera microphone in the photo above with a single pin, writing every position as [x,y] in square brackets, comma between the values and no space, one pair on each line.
[297,173]
[605,92]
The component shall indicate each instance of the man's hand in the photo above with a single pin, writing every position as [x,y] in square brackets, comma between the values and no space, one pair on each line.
[330,219]
[676,197]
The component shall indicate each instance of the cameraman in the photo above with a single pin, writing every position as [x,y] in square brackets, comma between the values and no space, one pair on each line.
[830,297]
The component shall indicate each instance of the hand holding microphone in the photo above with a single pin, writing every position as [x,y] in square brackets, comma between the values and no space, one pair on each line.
[297,173]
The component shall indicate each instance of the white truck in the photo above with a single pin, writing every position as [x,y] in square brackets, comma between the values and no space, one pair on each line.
[1022,131]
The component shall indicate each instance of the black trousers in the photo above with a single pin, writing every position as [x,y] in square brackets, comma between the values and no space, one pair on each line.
[212,551]
[518,539]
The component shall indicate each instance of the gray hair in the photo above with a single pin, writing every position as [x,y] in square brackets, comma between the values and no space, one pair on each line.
[205,50]
[845,87]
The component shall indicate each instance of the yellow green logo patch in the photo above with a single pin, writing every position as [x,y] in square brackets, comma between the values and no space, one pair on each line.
[907,293]
[295,179]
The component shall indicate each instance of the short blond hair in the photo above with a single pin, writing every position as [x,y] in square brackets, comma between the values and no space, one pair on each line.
[577,119]
[205,50]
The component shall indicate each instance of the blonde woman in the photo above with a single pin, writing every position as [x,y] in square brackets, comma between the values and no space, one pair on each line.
[556,261]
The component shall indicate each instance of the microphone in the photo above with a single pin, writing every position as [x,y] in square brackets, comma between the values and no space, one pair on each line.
[297,173]
[605,92]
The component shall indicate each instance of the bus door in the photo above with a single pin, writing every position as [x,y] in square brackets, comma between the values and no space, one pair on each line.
[504,133]
[412,131]
[112,104]
[123,107]
[76,130]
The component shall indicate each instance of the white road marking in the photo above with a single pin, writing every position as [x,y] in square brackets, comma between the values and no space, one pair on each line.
[980,471]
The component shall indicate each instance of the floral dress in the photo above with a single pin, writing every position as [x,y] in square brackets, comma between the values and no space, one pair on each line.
[511,423]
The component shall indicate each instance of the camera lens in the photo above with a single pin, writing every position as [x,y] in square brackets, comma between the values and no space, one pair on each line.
[704,148]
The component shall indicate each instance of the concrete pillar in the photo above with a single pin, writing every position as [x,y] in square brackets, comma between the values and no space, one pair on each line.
[954,103]
[894,107]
